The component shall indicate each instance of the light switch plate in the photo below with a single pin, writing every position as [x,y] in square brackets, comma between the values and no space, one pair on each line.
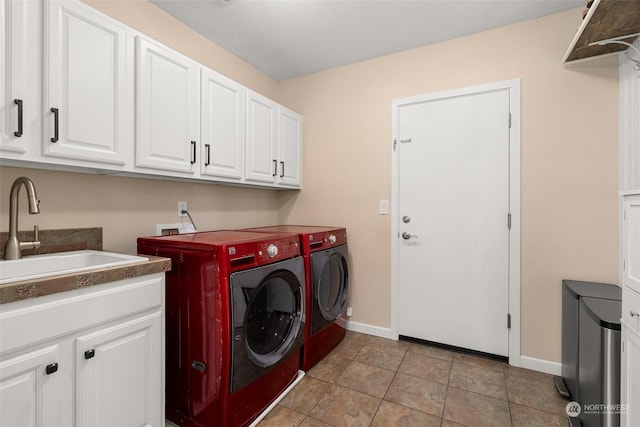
[384,207]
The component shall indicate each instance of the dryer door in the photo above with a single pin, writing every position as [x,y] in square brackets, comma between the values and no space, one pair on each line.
[268,314]
[330,277]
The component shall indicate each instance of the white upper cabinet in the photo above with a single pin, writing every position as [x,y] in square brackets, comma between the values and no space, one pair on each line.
[273,143]
[81,91]
[261,139]
[88,93]
[167,85]
[21,87]
[222,127]
[289,146]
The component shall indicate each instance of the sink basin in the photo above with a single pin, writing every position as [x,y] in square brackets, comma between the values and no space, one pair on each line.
[39,266]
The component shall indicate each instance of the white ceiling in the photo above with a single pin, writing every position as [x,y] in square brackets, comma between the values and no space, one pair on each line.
[289,38]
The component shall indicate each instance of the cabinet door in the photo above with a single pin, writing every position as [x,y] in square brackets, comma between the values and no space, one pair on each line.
[261,128]
[630,378]
[631,242]
[289,147]
[88,108]
[222,126]
[166,109]
[119,374]
[20,61]
[29,396]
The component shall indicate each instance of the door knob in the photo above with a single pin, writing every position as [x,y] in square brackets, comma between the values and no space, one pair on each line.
[406,219]
[407,236]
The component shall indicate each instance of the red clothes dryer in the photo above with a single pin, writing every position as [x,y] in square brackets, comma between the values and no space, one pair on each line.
[235,305]
[327,276]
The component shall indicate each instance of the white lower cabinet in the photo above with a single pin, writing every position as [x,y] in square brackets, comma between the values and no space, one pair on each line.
[30,389]
[90,357]
[115,359]
[630,381]
[630,363]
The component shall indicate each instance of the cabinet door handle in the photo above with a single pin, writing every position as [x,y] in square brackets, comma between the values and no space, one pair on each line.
[50,369]
[193,152]
[89,354]
[55,124]
[18,102]
[275,167]
[282,172]
[207,147]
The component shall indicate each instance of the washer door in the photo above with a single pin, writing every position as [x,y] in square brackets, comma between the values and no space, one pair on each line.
[330,277]
[268,314]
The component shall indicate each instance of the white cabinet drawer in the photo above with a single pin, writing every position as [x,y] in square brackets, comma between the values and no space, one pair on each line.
[631,309]
[63,313]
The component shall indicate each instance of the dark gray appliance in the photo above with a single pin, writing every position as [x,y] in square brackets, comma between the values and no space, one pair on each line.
[572,292]
[599,368]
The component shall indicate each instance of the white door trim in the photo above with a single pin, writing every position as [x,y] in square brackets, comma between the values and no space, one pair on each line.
[514,200]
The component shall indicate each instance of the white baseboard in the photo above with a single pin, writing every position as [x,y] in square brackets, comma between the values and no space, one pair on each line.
[371,330]
[553,368]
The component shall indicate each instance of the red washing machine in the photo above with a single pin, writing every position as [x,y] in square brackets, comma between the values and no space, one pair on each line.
[324,250]
[235,314]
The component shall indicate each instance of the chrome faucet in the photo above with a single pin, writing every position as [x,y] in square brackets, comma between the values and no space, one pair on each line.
[13,247]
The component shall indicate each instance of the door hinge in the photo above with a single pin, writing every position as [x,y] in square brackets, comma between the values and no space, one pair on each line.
[508,320]
[509,220]
[395,142]
[509,119]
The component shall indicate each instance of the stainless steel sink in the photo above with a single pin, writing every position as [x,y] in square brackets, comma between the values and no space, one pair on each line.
[39,266]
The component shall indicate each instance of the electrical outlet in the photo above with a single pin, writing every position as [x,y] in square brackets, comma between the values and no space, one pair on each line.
[349,311]
[182,206]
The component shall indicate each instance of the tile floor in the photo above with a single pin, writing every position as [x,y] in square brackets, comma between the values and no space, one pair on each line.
[372,381]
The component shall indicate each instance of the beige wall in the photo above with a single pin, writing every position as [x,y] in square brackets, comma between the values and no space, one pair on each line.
[569,161]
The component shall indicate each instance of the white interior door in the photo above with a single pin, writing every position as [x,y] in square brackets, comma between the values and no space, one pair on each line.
[453,206]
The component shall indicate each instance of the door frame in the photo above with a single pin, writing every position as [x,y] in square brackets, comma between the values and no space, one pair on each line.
[513,86]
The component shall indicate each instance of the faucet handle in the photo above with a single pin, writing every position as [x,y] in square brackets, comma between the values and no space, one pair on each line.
[36,233]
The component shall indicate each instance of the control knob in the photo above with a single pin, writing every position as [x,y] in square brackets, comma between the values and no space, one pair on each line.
[332,238]
[272,250]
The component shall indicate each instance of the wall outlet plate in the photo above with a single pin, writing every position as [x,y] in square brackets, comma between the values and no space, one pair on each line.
[182,206]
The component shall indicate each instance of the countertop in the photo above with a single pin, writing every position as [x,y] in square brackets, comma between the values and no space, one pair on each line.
[34,288]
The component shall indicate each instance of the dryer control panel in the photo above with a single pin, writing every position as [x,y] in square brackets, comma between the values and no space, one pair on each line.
[241,256]
[325,240]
